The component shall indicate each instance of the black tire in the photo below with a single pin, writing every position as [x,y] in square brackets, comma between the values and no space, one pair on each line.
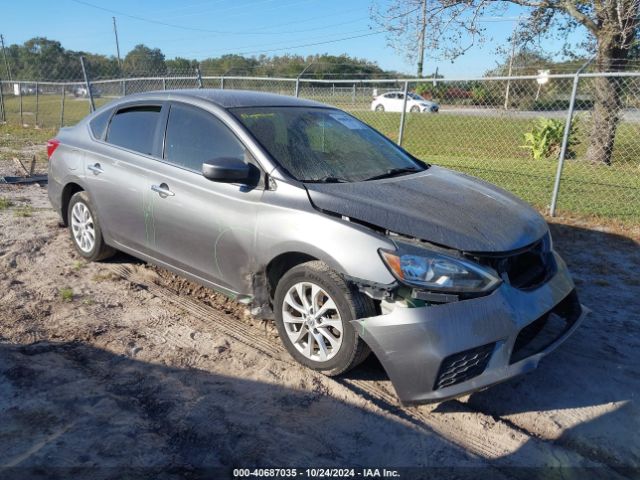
[415,109]
[351,304]
[100,250]
[379,108]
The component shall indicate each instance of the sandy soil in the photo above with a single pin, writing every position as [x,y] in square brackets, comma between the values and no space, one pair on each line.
[121,364]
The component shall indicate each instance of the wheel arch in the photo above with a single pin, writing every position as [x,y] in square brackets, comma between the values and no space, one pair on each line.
[281,264]
[69,190]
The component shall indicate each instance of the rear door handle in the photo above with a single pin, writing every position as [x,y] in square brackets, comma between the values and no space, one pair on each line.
[162,189]
[96,169]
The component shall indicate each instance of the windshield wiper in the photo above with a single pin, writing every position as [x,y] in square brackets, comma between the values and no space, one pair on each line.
[327,179]
[392,172]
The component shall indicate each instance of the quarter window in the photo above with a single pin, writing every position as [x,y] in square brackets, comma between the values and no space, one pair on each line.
[99,124]
[195,136]
[134,128]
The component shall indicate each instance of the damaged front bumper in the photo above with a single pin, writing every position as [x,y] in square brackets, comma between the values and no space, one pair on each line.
[442,351]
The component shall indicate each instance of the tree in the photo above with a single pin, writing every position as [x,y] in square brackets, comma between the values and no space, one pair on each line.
[230,64]
[143,60]
[612,28]
[181,66]
[406,23]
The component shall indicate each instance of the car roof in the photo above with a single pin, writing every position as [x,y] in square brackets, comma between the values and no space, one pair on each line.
[228,98]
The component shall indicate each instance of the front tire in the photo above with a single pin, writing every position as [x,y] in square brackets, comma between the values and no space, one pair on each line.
[85,230]
[314,307]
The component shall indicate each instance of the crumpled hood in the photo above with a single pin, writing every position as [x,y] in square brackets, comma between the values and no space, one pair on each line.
[440,206]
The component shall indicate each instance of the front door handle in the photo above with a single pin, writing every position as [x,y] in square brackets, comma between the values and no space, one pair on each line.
[162,189]
[96,169]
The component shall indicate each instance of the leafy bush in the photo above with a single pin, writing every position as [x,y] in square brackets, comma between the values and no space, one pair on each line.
[545,139]
[481,95]
[430,91]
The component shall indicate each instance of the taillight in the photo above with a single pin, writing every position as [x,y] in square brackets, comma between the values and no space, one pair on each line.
[51,146]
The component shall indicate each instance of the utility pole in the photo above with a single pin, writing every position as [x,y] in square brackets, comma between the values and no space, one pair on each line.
[513,53]
[115,32]
[6,62]
[421,39]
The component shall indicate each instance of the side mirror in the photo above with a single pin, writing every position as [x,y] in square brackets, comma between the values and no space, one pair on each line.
[227,170]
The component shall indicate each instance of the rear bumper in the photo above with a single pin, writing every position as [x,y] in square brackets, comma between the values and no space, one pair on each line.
[443,351]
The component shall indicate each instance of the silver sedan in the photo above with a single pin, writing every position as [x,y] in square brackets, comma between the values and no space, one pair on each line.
[318,221]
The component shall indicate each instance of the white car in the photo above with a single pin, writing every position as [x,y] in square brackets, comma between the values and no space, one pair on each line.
[393,101]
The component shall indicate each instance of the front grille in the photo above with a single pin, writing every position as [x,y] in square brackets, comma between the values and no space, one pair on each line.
[525,269]
[541,333]
[463,366]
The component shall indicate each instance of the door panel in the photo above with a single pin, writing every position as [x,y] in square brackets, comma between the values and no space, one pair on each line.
[115,187]
[205,228]
[115,177]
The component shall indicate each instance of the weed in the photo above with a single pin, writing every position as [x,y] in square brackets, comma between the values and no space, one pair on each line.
[23,211]
[66,294]
[5,203]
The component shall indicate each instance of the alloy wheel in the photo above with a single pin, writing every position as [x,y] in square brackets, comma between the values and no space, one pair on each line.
[83,228]
[312,321]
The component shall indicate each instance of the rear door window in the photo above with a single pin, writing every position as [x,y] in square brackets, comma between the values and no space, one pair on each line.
[135,128]
[195,136]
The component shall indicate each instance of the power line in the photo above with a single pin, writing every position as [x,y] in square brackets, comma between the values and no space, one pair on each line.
[282,45]
[173,25]
[312,44]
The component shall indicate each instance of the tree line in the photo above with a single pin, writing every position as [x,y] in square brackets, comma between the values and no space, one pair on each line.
[42,59]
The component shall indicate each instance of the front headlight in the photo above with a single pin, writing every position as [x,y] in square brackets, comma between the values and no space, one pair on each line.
[439,272]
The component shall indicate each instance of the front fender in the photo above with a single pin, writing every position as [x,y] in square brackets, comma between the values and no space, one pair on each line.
[288,223]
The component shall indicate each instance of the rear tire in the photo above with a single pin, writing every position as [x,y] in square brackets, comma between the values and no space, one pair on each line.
[301,332]
[85,230]
[379,108]
[415,109]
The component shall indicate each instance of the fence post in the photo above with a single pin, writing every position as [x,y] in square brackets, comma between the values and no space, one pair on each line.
[37,103]
[92,106]
[20,95]
[565,139]
[199,77]
[403,114]
[62,106]
[164,83]
[222,82]
[124,88]
[353,94]
[297,94]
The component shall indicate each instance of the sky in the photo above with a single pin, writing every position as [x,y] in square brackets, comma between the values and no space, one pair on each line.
[250,27]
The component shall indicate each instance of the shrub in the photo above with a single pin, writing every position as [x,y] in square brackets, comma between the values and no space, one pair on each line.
[545,139]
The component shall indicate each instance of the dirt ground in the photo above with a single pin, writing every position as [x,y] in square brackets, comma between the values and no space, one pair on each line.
[123,365]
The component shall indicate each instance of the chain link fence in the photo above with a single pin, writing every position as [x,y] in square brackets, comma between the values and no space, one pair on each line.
[507,130]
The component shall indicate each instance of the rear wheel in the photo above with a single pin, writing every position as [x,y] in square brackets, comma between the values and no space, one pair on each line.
[415,109]
[314,307]
[85,229]
[379,108]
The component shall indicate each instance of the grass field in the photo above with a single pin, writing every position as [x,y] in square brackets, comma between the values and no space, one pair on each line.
[490,148]
[49,109]
[486,147]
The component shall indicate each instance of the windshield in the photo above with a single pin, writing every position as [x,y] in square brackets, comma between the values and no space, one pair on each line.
[325,145]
